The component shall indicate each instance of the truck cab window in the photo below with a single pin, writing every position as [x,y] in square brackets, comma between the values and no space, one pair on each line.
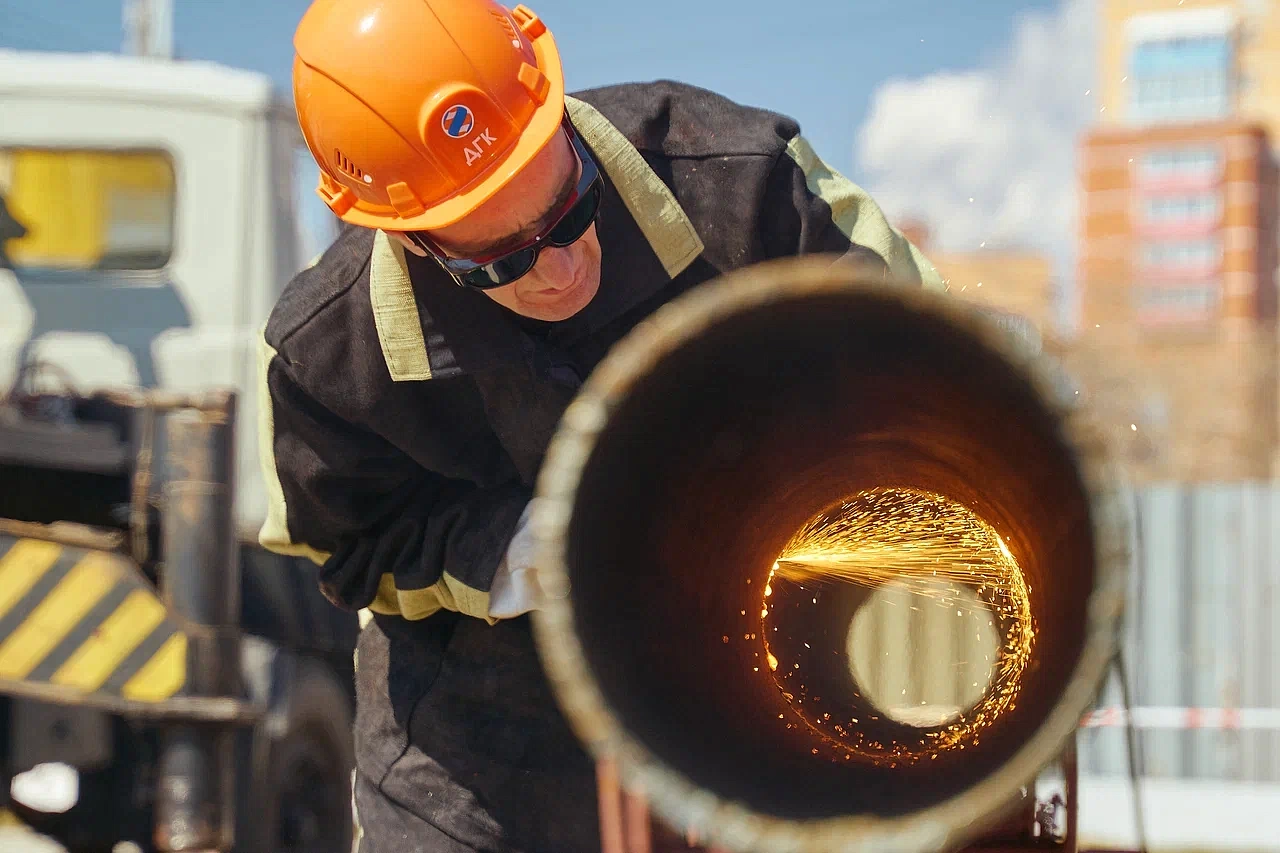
[86,210]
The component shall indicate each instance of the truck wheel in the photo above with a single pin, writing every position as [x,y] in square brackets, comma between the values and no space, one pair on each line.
[102,816]
[308,791]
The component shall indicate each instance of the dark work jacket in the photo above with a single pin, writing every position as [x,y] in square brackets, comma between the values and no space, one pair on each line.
[404,418]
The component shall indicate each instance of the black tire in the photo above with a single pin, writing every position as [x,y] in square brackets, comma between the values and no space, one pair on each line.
[305,799]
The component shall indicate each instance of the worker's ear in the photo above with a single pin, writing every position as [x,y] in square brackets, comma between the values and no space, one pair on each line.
[403,239]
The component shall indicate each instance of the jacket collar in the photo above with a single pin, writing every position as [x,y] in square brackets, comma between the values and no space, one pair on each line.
[429,327]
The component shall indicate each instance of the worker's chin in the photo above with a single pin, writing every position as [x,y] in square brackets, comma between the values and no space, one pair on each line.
[561,305]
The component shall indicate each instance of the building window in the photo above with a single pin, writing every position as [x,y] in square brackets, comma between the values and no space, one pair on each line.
[1181,77]
[1201,161]
[1169,303]
[1182,207]
[1182,253]
[86,210]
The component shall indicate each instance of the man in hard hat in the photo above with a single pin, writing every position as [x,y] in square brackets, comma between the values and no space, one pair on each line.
[500,236]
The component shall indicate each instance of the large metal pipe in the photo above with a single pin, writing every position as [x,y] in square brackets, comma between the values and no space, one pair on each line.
[194,809]
[697,449]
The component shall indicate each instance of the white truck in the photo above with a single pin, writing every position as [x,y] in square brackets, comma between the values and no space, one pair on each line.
[147,226]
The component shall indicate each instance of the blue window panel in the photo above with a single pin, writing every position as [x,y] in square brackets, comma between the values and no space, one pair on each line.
[1181,79]
[1172,56]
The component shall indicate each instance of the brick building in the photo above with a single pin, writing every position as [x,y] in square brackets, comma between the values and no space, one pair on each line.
[1177,258]
[1016,280]
[1185,216]
[1177,262]
[1167,61]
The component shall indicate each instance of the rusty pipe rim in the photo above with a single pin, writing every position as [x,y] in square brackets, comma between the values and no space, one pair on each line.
[671,795]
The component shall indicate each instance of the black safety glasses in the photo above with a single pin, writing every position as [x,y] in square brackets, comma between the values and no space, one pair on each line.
[566,228]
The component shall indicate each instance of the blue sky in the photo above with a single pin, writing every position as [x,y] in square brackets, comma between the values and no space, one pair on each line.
[816,60]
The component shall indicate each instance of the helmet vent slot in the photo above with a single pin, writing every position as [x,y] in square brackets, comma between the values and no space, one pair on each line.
[346,166]
[507,26]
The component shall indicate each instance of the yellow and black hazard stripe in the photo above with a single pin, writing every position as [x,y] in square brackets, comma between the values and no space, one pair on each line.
[83,621]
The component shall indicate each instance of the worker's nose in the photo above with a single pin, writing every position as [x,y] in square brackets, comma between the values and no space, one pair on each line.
[558,267]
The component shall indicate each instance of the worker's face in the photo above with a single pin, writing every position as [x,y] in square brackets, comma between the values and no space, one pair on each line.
[563,281]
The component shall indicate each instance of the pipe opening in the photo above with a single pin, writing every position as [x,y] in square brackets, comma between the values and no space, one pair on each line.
[729,445]
[897,604]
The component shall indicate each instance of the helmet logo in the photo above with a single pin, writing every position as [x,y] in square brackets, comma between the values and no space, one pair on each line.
[457,121]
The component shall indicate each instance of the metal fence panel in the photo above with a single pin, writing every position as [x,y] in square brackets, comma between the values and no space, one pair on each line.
[1201,633]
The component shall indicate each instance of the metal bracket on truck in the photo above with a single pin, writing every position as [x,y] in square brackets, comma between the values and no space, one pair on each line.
[82,625]
[120,595]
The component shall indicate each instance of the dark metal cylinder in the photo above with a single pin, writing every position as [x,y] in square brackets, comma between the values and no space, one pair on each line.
[201,582]
[704,441]
[194,790]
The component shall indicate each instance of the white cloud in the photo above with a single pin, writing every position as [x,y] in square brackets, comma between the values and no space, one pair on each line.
[990,155]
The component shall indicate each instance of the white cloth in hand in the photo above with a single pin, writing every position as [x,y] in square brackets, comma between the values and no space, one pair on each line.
[515,588]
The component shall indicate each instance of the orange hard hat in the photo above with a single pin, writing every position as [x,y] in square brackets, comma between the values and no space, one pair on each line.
[418,111]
